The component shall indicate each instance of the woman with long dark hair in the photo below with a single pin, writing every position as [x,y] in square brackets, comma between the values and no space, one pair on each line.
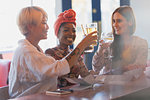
[128,51]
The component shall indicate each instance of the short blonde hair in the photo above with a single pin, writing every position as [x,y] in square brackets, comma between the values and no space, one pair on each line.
[30,15]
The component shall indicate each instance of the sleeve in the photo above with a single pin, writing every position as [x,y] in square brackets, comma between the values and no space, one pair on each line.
[43,66]
[83,69]
[50,52]
[98,60]
[142,54]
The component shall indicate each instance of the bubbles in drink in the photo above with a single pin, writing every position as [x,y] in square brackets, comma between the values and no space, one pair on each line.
[107,37]
[90,27]
[89,30]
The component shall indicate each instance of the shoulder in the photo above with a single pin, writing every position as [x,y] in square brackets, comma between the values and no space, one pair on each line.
[25,50]
[137,38]
[139,42]
[25,46]
[50,50]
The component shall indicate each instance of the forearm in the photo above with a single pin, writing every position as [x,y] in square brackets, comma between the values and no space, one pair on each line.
[98,60]
[83,70]
[139,63]
[74,55]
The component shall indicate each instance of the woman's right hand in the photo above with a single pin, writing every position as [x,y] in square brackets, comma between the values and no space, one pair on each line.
[73,57]
[103,44]
[89,39]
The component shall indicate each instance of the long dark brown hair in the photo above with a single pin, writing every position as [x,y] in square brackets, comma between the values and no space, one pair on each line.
[118,43]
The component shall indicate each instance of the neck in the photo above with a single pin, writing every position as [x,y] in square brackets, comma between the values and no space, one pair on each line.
[34,42]
[126,40]
[63,46]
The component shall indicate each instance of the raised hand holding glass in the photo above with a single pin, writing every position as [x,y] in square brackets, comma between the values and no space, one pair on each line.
[90,27]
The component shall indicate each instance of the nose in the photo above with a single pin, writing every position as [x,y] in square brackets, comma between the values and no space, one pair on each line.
[115,24]
[47,27]
[72,33]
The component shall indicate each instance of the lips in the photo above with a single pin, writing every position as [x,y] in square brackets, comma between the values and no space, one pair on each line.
[116,29]
[45,33]
[70,39]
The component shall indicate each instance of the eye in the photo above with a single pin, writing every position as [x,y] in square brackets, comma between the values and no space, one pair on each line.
[44,21]
[66,30]
[119,20]
[74,30]
[113,21]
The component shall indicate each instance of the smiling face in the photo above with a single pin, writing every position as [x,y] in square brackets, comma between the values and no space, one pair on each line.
[41,29]
[120,24]
[67,34]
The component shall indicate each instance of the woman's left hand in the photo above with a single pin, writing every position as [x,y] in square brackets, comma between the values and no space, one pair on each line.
[93,72]
[134,66]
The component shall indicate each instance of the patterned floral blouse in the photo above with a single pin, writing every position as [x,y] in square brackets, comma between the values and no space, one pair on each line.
[78,69]
[135,54]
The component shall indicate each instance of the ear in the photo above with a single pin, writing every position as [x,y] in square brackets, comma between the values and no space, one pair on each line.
[130,23]
[58,35]
[29,27]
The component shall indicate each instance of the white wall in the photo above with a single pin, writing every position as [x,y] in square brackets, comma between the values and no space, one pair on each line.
[107,8]
[141,9]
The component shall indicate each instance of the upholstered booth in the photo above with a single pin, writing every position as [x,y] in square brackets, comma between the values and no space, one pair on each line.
[148,63]
[4,93]
[4,70]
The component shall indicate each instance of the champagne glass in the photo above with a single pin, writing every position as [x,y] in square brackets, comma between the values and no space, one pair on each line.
[90,27]
[108,38]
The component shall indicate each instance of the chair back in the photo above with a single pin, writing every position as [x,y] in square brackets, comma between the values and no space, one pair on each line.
[4,71]
[4,95]
[148,63]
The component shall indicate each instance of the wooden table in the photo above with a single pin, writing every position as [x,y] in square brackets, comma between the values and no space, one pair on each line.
[102,92]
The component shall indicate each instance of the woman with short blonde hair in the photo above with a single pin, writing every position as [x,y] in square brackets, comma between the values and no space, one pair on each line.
[29,16]
[31,70]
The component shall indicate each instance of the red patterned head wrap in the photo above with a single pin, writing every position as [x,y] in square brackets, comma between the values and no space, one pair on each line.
[66,16]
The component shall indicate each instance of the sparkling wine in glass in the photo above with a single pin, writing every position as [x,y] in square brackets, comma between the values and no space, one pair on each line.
[90,27]
[108,38]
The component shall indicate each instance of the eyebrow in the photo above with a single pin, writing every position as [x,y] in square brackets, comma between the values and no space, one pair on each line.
[68,27]
[44,19]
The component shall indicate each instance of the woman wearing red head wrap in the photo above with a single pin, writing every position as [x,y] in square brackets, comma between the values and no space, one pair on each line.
[65,31]
[66,16]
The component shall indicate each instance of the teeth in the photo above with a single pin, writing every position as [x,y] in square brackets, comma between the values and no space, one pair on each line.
[69,39]
[116,29]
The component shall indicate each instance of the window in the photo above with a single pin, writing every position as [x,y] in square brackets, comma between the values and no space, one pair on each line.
[49,7]
[142,16]
[10,33]
[107,8]
[83,9]
[9,30]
